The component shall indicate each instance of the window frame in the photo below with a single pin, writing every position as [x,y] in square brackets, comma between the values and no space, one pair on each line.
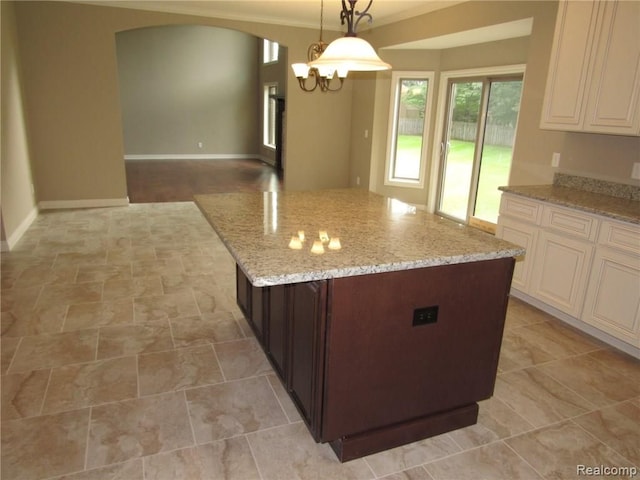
[268,103]
[394,103]
[270,51]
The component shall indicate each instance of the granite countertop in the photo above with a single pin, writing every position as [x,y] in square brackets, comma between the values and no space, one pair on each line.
[377,234]
[624,209]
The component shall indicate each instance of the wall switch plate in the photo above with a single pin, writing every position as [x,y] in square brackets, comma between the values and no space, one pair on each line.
[555,159]
[635,171]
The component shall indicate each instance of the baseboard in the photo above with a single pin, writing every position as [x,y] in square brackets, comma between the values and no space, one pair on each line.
[14,238]
[90,203]
[578,324]
[193,156]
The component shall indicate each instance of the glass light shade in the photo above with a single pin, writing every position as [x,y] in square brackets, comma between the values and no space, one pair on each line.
[300,70]
[324,236]
[326,72]
[350,53]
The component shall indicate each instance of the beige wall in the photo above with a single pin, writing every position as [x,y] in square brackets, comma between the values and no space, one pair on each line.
[181,85]
[17,205]
[600,156]
[68,51]
[73,109]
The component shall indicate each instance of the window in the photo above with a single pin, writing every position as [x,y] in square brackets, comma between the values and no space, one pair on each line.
[478,137]
[269,51]
[408,128]
[269,115]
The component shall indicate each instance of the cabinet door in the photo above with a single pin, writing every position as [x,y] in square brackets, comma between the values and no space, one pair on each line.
[243,293]
[306,359]
[257,312]
[613,296]
[561,271]
[525,236]
[614,93]
[569,65]
[277,328]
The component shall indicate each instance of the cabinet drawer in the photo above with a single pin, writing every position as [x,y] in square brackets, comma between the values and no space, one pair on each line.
[521,208]
[624,236]
[577,224]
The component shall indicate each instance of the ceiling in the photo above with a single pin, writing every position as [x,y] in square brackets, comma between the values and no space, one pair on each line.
[299,13]
[306,13]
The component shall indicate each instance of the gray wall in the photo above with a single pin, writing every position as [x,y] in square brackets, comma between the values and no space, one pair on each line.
[181,85]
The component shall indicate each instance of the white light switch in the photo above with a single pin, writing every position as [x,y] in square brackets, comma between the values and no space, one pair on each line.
[555,159]
[635,172]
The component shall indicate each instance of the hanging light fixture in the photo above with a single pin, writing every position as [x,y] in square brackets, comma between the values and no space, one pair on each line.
[341,55]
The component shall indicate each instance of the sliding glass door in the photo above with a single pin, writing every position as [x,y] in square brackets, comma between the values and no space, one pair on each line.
[477,147]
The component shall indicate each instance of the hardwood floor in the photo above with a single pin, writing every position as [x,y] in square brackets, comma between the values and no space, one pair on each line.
[150,181]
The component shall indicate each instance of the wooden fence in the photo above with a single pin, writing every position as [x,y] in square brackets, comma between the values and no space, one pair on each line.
[494,134]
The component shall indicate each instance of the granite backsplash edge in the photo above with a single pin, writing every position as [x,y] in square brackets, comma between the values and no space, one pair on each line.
[604,187]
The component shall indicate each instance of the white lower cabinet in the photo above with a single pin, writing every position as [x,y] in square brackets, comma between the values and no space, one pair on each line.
[581,267]
[525,236]
[561,272]
[613,297]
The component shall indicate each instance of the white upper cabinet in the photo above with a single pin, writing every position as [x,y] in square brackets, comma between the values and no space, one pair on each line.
[593,84]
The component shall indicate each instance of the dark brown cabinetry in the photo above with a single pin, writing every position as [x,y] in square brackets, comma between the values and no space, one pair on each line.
[376,361]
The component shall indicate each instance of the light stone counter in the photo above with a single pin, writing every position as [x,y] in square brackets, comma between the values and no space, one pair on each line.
[624,209]
[377,234]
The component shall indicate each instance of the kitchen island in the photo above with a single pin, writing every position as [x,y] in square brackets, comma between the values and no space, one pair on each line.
[384,322]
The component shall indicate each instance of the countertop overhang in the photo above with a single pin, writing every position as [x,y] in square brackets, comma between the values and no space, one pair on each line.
[377,234]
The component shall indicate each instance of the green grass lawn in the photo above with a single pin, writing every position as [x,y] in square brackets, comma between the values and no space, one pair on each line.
[496,163]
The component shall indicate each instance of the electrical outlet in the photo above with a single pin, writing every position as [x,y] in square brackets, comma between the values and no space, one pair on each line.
[357,180]
[635,171]
[366,133]
[199,144]
[555,159]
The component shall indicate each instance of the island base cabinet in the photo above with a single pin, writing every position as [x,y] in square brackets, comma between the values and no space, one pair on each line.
[377,361]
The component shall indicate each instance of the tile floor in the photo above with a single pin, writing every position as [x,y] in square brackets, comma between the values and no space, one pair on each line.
[124,356]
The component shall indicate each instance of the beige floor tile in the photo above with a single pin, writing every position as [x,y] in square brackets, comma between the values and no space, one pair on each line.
[200,282]
[205,329]
[157,267]
[226,459]
[520,314]
[41,447]
[557,451]
[242,358]
[129,254]
[494,462]
[134,428]
[8,347]
[100,273]
[121,340]
[33,321]
[618,427]
[46,274]
[80,257]
[99,314]
[233,408]
[160,307]
[518,351]
[286,403]
[412,455]
[131,470]
[55,350]
[130,288]
[70,293]
[88,384]
[495,421]
[19,299]
[178,369]
[559,340]
[417,473]
[538,398]
[23,393]
[593,380]
[289,452]
[214,303]
[622,363]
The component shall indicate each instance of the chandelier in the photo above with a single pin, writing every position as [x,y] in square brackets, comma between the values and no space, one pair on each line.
[349,53]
